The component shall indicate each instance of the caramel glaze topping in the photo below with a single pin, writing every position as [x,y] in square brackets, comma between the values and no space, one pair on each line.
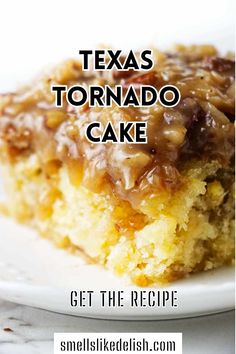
[200,126]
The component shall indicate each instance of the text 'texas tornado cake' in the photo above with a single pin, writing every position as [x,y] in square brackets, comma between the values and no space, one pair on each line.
[154,212]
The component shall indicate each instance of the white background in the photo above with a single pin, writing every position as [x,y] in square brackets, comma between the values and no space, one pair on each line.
[37,33]
[34,329]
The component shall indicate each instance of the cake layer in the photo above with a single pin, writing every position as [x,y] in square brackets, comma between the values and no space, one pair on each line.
[165,238]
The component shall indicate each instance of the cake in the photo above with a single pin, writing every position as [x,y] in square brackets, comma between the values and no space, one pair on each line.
[153,212]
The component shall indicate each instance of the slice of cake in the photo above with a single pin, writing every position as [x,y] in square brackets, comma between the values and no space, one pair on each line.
[154,212]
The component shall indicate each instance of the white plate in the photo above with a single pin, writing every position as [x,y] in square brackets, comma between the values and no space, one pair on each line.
[35,273]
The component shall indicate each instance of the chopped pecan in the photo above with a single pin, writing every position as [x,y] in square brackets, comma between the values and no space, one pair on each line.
[149,78]
[221,65]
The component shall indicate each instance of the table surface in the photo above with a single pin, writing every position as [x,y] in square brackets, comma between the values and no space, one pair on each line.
[32,330]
